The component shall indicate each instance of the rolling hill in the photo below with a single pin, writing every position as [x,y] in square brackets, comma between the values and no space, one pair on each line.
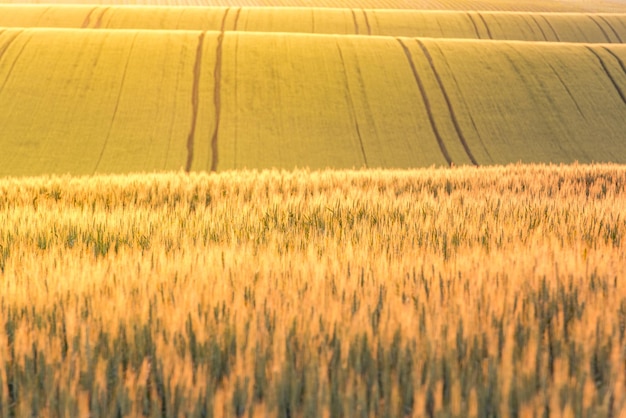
[113,101]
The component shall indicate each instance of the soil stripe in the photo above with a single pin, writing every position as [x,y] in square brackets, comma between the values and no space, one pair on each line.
[367,22]
[469,15]
[485,23]
[606,35]
[556,35]
[194,101]
[99,22]
[217,79]
[569,92]
[422,89]
[607,72]
[356,24]
[117,103]
[88,18]
[455,121]
[237,13]
[619,38]
[619,60]
[17,57]
[8,43]
[539,26]
[351,105]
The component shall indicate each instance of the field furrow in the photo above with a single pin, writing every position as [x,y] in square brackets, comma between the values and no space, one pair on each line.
[217,94]
[611,28]
[351,106]
[197,67]
[429,109]
[607,71]
[124,74]
[451,111]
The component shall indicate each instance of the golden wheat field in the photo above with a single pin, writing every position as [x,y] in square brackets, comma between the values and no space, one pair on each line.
[313,208]
[467,292]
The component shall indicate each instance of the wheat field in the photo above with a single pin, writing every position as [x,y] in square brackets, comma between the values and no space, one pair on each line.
[435,292]
[297,208]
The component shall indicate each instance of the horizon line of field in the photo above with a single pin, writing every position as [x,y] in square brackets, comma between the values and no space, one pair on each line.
[497,25]
[440,92]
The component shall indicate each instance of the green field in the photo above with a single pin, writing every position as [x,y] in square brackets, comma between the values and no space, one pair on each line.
[117,101]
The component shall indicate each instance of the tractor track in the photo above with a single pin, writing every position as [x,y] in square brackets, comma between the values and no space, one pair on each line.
[543,33]
[604,33]
[556,35]
[455,121]
[195,93]
[469,15]
[351,106]
[217,80]
[480,15]
[619,38]
[422,89]
[15,60]
[356,23]
[87,20]
[608,74]
[117,104]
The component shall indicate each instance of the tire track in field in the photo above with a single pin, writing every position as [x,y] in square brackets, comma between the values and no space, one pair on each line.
[351,105]
[469,15]
[422,89]
[617,58]
[367,22]
[486,25]
[217,80]
[569,92]
[15,60]
[532,29]
[236,22]
[8,43]
[117,103]
[608,74]
[606,35]
[46,10]
[455,121]
[195,93]
[99,21]
[356,23]
[88,18]
[543,33]
[556,35]
[619,38]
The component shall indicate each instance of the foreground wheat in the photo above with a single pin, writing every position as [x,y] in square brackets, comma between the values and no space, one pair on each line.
[465,292]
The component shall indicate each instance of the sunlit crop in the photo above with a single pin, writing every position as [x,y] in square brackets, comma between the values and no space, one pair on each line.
[464,292]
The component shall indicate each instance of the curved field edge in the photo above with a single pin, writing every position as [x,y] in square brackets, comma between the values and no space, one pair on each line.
[115,101]
[529,26]
[364,293]
[485,5]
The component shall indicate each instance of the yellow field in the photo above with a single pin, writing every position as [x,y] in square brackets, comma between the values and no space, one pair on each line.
[114,101]
[156,262]
[508,5]
[527,26]
[376,293]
